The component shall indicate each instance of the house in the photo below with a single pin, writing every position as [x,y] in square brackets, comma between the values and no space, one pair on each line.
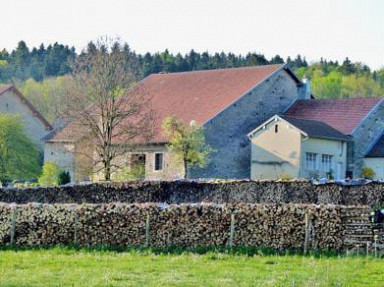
[325,137]
[360,118]
[13,102]
[228,103]
[290,147]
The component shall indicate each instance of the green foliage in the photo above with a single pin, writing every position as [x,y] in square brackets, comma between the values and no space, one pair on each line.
[18,154]
[368,172]
[47,96]
[187,142]
[50,174]
[136,172]
[286,177]
[330,80]
[64,177]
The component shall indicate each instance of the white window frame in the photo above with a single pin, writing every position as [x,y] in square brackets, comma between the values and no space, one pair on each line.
[162,162]
[326,165]
[314,164]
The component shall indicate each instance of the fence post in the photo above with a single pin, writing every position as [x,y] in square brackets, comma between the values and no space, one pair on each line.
[306,239]
[232,231]
[147,230]
[13,223]
[75,237]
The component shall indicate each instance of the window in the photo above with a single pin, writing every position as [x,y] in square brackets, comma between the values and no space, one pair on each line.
[326,162]
[276,128]
[311,161]
[158,161]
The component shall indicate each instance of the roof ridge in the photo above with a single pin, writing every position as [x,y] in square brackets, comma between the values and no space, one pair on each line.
[339,99]
[220,69]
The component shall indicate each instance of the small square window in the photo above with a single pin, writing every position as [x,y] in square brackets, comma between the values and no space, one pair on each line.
[159,162]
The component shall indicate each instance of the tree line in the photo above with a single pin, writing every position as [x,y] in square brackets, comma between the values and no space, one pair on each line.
[54,60]
[40,73]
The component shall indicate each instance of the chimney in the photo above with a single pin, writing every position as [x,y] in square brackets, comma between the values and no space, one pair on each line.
[306,87]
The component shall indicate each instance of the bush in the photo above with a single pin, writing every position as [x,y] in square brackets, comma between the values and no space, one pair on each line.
[64,177]
[286,177]
[50,174]
[136,172]
[368,173]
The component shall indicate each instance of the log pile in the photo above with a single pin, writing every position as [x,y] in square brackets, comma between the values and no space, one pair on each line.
[5,223]
[269,192]
[357,229]
[279,226]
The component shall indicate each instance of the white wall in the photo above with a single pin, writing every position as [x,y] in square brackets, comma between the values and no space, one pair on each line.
[276,154]
[63,154]
[337,149]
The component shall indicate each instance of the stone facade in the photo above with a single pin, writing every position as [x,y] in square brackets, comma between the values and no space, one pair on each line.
[363,137]
[171,166]
[227,132]
[10,103]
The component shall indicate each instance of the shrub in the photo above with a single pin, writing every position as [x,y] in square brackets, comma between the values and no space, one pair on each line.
[135,172]
[50,174]
[368,172]
[64,177]
[286,177]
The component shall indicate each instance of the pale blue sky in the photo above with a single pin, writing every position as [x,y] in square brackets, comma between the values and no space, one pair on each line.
[333,29]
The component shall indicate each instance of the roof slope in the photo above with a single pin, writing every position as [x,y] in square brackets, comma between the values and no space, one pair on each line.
[6,88]
[378,148]
[342,114]
[196,95]
[316,129]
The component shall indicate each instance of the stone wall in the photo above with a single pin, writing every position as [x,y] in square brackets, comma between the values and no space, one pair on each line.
[227,132]
[276,226]
[364,136]
[176,192]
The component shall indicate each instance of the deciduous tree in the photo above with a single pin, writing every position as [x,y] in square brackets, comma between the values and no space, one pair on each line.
[98,101]
[18,154]
[187,142]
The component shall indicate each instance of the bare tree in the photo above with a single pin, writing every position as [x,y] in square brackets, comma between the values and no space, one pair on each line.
[101,106]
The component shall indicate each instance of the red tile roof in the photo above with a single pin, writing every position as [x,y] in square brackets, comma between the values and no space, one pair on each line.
[342,114]
[5,88]
[196,95]
[200,95]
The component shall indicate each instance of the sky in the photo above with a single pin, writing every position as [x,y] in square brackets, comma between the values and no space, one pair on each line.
[332,29]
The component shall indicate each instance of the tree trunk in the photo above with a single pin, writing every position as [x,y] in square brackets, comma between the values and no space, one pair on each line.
[107,171]
[185,169]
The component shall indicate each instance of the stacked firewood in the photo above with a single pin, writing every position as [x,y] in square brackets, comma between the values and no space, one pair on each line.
[357,228]
[279,226]
[5,222]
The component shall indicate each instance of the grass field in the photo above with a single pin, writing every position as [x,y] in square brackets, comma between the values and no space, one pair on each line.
[95,267]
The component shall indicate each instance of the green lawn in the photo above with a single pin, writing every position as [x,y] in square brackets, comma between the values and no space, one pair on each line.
[70,267]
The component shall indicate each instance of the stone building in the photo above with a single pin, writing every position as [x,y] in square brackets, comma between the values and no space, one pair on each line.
[13,102]
[359,122]
[239,109]
[228,103]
